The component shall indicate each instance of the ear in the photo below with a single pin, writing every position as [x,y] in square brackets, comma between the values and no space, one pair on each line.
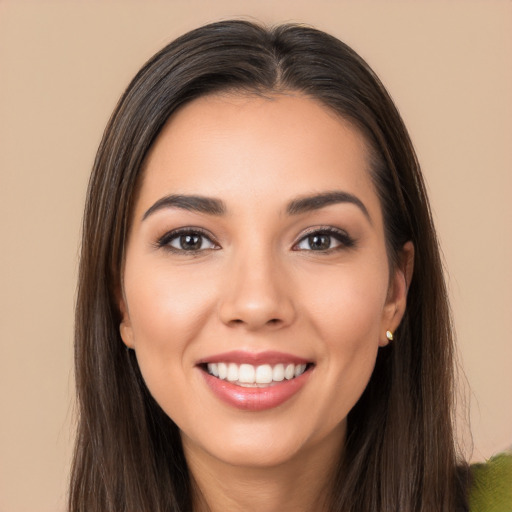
[125,327]
[396,300]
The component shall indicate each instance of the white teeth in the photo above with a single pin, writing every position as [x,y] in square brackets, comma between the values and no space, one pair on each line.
[278,373]
[232,372]
[223,370]
[247,374]
[299,369]
[213,369]
[264,374]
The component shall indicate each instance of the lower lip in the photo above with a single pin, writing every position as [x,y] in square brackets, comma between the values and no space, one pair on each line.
[255,399]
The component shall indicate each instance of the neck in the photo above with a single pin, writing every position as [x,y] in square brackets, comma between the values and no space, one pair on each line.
[301,484]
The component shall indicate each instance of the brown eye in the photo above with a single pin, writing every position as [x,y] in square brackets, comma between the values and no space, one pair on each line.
[324,240]
[191,242]
[186,241]
[319,242]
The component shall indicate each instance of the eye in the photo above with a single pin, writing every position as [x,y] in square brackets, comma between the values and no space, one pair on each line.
[326,239]
[187,240]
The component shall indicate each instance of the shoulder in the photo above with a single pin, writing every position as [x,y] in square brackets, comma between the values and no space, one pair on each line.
[491,485]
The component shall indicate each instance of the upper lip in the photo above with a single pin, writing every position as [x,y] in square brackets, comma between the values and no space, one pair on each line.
[254,358]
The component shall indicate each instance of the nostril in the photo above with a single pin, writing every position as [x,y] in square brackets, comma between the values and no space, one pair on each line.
[272,321]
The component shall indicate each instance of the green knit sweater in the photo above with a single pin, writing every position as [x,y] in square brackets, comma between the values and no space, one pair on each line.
[491,489]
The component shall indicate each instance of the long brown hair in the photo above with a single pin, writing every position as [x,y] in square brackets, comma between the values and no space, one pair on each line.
[400,452]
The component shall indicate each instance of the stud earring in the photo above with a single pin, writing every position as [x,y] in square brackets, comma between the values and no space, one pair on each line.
[389,335]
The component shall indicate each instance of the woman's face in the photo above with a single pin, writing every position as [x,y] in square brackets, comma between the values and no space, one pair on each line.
[256,287]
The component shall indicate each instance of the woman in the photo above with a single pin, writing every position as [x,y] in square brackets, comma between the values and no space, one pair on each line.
[262,321]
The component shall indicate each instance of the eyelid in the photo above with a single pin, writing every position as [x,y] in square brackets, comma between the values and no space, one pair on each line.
[163,242]
[344,239]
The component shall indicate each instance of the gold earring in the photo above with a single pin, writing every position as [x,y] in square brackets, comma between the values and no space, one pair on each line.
[389,335]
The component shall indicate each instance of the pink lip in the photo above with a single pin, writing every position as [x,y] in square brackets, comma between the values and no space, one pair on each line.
[241,357]
[255,399]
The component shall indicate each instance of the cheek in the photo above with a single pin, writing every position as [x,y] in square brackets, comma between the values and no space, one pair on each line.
[166,312]
[348,303]
[347,319]
[163,301]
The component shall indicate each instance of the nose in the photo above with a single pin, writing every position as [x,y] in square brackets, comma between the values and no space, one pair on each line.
[257,295]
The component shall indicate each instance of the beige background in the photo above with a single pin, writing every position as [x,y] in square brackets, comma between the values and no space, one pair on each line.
[63,66]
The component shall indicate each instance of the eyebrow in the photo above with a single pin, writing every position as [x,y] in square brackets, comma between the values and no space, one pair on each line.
[199,204]
[318,201]
[213,206]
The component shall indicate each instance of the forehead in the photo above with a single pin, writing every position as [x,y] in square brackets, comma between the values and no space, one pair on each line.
[270,148]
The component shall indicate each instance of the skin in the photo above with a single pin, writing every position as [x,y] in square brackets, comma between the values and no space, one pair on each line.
[258,285]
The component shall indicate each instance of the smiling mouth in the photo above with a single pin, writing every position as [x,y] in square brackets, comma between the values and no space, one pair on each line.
[252,376]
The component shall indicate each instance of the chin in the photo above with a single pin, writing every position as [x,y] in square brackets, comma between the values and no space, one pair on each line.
[259,445]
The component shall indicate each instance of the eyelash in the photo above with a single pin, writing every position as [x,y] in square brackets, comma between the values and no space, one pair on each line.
[164,242]
[345,241]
